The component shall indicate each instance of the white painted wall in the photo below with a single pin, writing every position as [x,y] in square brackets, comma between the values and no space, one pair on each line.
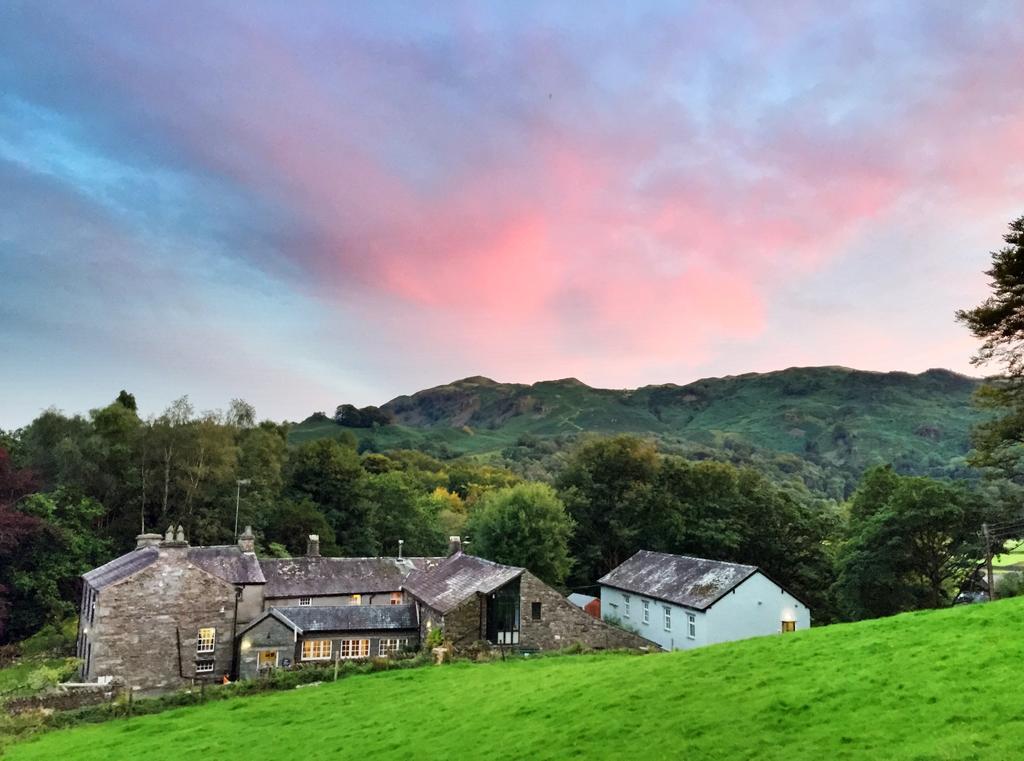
[676,637]
[755,608]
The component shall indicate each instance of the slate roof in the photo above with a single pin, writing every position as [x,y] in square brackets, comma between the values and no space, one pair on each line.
[692,582]
[305,576]
[229,563]
[331,618]
[457,578]
[121,567]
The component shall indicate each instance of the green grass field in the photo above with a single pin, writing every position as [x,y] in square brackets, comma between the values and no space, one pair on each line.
[1010,560]
[919,686]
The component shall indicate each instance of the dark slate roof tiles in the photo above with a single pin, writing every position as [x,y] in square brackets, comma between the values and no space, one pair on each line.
[457,578]
[308,576]
[229,563]
[692,582]
[350,617]
[121,567]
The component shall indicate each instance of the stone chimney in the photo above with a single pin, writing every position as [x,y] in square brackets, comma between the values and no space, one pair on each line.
[454,545]
[147,540]
[247,542]
[313,546]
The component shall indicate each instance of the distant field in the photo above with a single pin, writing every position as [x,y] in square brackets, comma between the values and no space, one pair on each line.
[920,686]
[1009,560]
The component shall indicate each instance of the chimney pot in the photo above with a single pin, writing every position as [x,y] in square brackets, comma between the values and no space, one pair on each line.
[313,546]
[454,545]
[147,540]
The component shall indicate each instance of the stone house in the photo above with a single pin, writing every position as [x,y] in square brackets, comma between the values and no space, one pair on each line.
[683,602]
[168,614]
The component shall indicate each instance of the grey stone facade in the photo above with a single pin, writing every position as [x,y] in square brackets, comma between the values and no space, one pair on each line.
[145,627]
[142,613]
[561,624]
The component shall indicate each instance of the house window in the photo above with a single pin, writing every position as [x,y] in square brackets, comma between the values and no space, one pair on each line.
[789,626]
[646,611]
[396,598]
[305,601]
[389,646]
[355,600]
[668,618]
[355,648]
[206,639]
[316,650]
[535,611]
[625,606]
[691,626]
[204,667]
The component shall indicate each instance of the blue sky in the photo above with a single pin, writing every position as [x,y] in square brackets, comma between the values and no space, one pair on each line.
[344,203]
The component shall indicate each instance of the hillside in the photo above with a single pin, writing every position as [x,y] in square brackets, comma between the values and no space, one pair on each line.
[928,685]
[831,417]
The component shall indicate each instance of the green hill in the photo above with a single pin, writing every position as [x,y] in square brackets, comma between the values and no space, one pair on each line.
[931,685]
[831,417]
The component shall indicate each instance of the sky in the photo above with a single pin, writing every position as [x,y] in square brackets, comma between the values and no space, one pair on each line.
[308,204]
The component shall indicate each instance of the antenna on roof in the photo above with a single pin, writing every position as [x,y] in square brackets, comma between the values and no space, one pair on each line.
[400,543]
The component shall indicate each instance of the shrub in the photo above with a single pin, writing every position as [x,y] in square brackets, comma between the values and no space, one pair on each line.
[1010,585]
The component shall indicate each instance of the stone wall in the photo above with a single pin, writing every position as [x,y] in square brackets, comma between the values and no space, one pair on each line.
[562,624]
[145,626]
[465,624]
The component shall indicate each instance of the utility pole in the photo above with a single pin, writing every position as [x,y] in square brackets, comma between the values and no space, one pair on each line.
[988,562]
[238,499]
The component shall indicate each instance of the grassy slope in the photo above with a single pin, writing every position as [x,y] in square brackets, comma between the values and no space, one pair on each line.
[848,416]
[919,686]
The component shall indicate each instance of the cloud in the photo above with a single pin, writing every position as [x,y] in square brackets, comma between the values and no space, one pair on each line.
[519,191]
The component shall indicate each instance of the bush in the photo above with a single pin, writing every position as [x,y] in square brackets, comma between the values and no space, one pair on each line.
[1010,585]
[52,639]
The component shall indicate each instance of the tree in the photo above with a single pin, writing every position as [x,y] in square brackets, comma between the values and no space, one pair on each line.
[400,511]
[999,323]
[912,548]
[293,521]
[606,487]
[127,401]
[330,474]
[524,525]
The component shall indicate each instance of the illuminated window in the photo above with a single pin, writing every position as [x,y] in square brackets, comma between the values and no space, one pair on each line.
[789,626]
[204,667]
[389,646]
[668,618]
[355,648]
[647,611]
[316,650]
[355,600]
[305,601]
[691,626]
[396,598]
[205,640]
[625,606]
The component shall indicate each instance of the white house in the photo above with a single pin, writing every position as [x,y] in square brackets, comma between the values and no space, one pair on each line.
[682,602]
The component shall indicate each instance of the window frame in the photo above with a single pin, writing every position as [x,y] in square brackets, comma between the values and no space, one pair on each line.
[316,646]
[206,644]
[625,606]
[305,602]
[390,645]
[536,610]
[205,666]
[691,626]
[348,644]
[645,611]
[667,620]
